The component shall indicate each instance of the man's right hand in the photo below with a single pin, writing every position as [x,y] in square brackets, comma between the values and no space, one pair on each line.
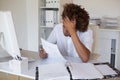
[43,54]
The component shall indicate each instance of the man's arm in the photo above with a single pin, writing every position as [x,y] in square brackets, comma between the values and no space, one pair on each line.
[82,51]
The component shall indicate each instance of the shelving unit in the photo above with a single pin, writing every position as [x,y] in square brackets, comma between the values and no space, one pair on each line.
[50,15]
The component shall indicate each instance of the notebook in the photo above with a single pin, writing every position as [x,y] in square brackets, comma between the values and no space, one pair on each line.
[84,71]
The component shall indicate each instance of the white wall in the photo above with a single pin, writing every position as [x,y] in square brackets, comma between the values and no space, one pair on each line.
[32,23]
[25,17]
[99,8]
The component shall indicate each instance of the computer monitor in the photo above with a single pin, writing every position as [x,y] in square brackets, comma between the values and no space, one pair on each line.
[8,35]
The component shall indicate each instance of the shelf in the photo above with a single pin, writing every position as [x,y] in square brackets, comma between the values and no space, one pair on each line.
[49,8]
[46,27]
[50,12]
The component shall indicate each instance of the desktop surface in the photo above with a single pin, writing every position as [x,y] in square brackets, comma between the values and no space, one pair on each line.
[31,65]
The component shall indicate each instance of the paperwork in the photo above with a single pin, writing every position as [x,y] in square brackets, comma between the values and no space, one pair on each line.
[84,71]
[54,55]
[56,69]
[105,70]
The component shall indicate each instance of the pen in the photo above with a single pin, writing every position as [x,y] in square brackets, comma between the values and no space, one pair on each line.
[37,74]
[69,73]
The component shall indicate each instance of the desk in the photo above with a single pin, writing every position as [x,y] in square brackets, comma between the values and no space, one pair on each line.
[7,74]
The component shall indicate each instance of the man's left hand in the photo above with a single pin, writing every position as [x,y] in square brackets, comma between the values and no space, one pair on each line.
[70,25]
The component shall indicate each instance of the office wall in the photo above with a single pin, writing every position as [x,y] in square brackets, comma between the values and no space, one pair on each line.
[25,17]
[99,8]
[32,23]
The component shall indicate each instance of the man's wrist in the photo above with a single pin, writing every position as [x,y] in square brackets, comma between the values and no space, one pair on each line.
[73,34]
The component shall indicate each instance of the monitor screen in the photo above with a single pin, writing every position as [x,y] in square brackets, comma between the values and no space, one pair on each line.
[8,35]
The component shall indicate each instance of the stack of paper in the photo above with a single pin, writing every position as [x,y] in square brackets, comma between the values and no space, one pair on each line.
[105,70]
[56,71]
[84,71]
[56,67]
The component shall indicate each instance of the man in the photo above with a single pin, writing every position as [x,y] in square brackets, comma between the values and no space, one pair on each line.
[73,37]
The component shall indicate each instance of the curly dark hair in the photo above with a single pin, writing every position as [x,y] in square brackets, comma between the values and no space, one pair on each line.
[73,11]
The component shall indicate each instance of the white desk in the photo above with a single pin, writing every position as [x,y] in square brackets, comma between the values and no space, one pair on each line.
[4,66]
[32,65]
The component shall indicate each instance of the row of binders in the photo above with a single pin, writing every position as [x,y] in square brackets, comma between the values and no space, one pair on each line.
[51,3]
[49,18]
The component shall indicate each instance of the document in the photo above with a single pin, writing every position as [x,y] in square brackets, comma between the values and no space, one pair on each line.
[84,71]
[54,55]
[56,71]
[105,70]
[54,67]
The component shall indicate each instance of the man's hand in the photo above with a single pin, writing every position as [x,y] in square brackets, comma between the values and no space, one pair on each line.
[43,54]
[70,25]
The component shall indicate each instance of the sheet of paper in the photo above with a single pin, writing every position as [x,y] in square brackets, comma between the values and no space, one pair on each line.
[105,69]
[56,71]
[84,71]
[54,54]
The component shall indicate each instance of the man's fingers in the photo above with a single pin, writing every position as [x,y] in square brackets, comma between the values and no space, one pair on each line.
[43,54]
[42,51]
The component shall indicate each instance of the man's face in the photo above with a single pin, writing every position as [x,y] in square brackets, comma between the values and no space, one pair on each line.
[66,33]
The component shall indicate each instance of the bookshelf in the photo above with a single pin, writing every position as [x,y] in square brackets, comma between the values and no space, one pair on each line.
[50,15]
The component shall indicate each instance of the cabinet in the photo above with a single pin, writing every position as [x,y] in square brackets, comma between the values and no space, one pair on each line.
[108,41]
[50,15]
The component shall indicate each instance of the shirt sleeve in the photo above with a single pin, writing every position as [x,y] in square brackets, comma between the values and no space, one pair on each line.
[52,37]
